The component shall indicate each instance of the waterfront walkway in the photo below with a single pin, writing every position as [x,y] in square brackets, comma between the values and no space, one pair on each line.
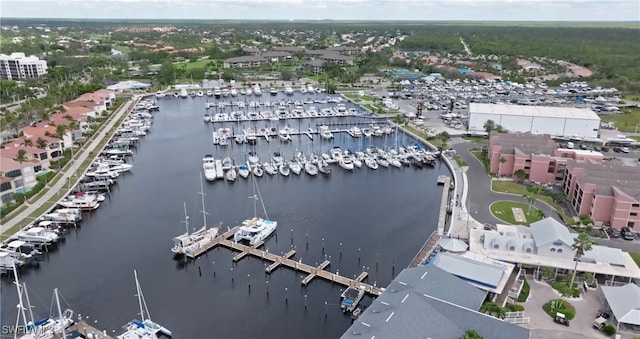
[68,177]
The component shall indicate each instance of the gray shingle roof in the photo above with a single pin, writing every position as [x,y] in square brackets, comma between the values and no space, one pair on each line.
[412,313]
[469,269]
[548,230]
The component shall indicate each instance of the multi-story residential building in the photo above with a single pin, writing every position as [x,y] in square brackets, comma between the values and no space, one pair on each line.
[249,61]
[537,155]
[344,50]
[275,56]
[315,66]
[609,193]
[339,59]
[20,177]
[18,66]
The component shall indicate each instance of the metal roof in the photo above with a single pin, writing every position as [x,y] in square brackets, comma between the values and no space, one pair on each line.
[535,111]
[624,301]
[475,271]
[411,313]
[548,230]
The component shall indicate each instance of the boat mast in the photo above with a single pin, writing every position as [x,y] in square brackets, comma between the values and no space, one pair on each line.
[186,218]
[29,307]
[204,213]
[55,292]
[259,197]
[20,304]
[141,302]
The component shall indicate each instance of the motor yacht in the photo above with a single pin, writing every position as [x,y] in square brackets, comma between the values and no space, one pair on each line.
[209,93]
[233,92]
[346,163]
[355,132]
[284,135]
[325,133]
[371,163]
[183,93]
[200,94]
[21,250]
[350,298]
[256,90]
[288,90]
[64,215]
[81,201]
[217,92]
[273,91]
[209,167]
[37,236]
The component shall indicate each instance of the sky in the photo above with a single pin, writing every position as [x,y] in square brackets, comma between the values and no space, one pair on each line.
[431,10]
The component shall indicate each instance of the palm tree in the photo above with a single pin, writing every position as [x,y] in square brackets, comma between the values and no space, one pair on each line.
[41,143]
[531,198]
[502,161]
[489,126]
[581,244]
[520,175]
[28,142]
[20,158]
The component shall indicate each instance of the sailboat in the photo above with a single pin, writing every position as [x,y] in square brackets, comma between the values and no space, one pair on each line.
[256,229]
[188,242]
[144,328]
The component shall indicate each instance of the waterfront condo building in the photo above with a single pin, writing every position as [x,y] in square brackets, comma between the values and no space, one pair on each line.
[17,66]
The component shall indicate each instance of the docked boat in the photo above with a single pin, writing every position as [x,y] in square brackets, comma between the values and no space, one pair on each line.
[257,171]
[253,158]
[256,229]
[21,250]
[183,93]
[367,132]
[207,117]
[145,328]
[231,175]
[250,135]
[324,168]
[209,167]
[37,236]
[284,135]
[277,159]
[371,163]
[233,92]
[160,94]
[382,161]
[209,93]
[295,166]
[256,90]
[311,168]
[200,94]
[346,163]
[284,169]
[227,164]
[217,92]
[325,133]
[350,298]
[243,171]
[81,201]
[273,91]
[355,132]
[64,215]
[8,263]
[190,241]
[270,168]
[288,90]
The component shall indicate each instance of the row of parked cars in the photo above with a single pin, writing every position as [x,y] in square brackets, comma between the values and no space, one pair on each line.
[626,233]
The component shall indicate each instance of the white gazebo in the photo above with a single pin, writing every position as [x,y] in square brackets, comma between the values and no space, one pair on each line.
[624,302]
[453,245]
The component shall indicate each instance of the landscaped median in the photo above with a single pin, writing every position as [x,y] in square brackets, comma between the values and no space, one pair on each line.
[47,205]
[515,213]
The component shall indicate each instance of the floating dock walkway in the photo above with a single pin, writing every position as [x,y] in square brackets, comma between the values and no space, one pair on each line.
[285,260]
[86,330]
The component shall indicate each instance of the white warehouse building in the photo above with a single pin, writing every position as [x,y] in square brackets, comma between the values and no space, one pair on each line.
[555,121]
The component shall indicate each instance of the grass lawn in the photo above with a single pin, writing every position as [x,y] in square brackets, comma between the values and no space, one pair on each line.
[502,210]
[626,121]
[515,188]
[460,160]
[636,257]
[122,48]
[474,139]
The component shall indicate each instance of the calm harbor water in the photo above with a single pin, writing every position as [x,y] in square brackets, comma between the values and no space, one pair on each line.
[371,220]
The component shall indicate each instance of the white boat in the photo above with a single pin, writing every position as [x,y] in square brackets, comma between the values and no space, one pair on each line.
[188,242]
[310,88]
[325,133]
[256,229]
[284,169]
[160,94]
[357,162]
[145,328]
[209,93]
[200,94]
[288,90]
[207,117]
[64,215]
[346,163]
[270,168]
[310,168]
[277,159]
[225,92]
[209,167]
[253,158]
[295,166]
[303,90]
[350,298]
[20,250]
[256,90]
[393,161]
[81,201]
[284,135]
[217,92]
[231,175]
[233,92]
[243,171]
[37,235]
[8,263]
[382,161]
[324,168]
[227,164]
[355,132]
[257,171]
[273,91]
[370,162]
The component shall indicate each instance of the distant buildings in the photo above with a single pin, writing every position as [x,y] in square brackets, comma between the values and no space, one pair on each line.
[17,66]
[555,121]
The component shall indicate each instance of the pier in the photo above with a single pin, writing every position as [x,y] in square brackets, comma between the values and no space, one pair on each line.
[426,250]
[285,260]
[444,203]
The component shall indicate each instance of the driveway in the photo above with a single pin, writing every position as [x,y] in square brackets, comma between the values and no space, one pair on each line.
[480,196]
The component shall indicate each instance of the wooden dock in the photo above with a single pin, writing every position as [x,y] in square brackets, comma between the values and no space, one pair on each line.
[285,260]
[426,250]
[86,330]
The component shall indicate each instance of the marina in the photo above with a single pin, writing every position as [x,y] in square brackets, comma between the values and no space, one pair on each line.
[139,213]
